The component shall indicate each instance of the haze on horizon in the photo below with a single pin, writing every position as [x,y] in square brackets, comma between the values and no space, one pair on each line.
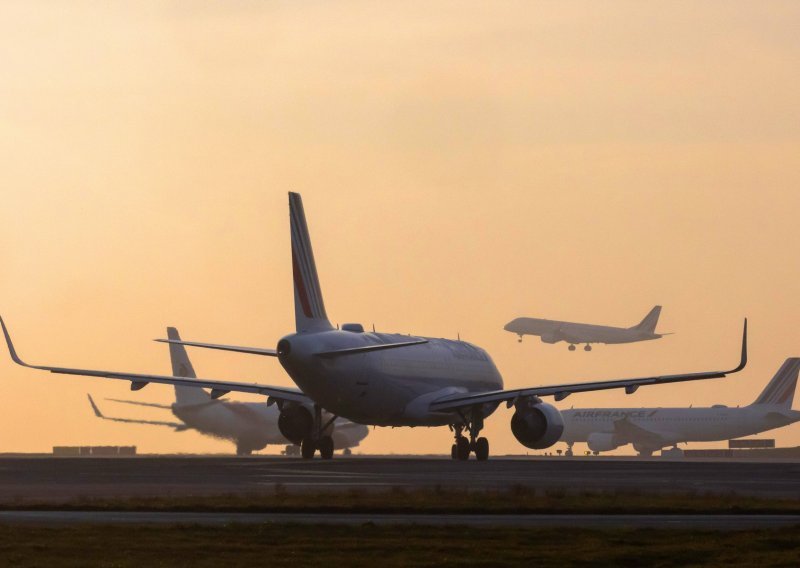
[461,165]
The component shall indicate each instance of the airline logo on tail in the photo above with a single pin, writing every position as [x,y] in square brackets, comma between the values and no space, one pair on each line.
[308,296]
[780,390]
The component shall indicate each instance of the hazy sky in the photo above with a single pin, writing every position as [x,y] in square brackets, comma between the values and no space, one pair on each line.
[461,164]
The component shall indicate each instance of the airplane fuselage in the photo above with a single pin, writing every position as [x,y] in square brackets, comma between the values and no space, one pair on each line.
[669,426]
[252,425]
[551,331]
[391,387]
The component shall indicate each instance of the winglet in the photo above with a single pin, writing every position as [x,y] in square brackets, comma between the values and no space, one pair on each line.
[94,407]
[11,349]
[743,361]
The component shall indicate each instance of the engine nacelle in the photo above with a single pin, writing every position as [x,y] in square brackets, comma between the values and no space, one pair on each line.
[295,423]
[549,338]
[601,442]
[537,425]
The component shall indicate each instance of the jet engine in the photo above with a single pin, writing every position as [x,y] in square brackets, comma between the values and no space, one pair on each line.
[601,442]
[549,338]
[536,425]
[295,423]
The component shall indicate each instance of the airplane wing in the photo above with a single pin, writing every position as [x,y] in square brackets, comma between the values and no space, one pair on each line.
[178,426]
[137,403]
[139,381]
[166,406]
[560,392]
[628,432]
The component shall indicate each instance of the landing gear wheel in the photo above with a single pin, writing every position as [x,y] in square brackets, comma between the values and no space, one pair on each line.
[308,448]
[462,448]
[326,447]
[587,348]
[482,449]
[347,452]
[571,348]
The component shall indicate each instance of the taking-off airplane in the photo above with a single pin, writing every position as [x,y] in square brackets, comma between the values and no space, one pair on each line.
[386,379]
[553,331]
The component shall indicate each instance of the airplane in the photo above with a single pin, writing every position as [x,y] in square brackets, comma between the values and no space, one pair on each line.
[252,426]
[651,429]
[553,331]
[384,379]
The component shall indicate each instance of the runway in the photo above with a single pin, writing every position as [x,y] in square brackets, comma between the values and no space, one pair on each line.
[702,522]
[59,479]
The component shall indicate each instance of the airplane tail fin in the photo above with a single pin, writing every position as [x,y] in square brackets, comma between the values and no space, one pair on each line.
[780,390]
[309,309]
[182,367]
[650,320]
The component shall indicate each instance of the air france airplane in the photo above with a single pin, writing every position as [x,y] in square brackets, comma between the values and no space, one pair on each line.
[650,429]
[552,331]
[252,426]
[386,379]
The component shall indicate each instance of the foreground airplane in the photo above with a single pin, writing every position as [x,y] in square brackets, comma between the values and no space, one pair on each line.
[252,426]
[650,429]
[385,379]
[553,331]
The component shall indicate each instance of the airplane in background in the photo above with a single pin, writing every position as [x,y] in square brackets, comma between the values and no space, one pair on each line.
[385,379]
[552,331]
[651,429]
[252,426]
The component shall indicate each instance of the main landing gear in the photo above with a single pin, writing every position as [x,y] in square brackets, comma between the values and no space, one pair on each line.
[243,450]
[463,446]
[569,453]
[571,347]
[587,348]
[317,439]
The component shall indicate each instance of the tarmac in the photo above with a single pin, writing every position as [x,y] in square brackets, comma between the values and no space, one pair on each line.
[694,522]
[47,479]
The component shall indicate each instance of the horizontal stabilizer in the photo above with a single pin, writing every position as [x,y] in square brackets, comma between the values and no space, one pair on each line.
[235,348]
[367,349]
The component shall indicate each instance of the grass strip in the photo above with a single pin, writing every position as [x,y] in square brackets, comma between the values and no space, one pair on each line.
[370,546]
[518,500]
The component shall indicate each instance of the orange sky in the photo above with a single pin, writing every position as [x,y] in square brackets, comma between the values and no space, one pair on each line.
[461,164]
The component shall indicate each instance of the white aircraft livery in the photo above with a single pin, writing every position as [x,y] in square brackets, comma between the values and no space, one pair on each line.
[650,429]
[552,331]
[385,379]
[252,426]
